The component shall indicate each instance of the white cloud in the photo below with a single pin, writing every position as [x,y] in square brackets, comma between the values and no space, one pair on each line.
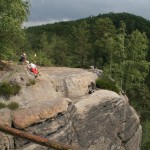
[77,9]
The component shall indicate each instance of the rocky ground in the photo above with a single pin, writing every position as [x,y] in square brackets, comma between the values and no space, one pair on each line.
[59,107]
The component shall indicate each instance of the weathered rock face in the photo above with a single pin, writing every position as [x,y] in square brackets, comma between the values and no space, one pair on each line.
[54,83]
[65,112]
[6,141]
[109,121]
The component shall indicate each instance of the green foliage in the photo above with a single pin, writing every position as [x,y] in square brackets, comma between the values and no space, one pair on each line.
[11,105]
[132,21]
[80,44]
[101,28]
[9,54]
[12,15]
[105,82]
[44,54]
[42,59]
[59,47]
[7,89]
[139,98]
[31,82]
[146,135]
[128,65]
[103,31]
[2,105]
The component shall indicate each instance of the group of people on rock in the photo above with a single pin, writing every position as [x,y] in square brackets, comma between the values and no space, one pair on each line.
[31,66]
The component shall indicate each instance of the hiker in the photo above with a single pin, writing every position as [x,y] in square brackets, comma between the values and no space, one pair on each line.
[23,58]
[91,88]
[33,68]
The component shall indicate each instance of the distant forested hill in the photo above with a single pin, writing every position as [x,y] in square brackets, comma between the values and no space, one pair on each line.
[64,28]
[132,21]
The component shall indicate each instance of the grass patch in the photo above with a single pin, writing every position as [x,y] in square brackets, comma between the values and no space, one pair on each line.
[2,105]
[11,105]
[104,82]
[7,89]
[31,82]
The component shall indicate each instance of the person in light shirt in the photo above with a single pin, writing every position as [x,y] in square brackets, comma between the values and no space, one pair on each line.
[33,68]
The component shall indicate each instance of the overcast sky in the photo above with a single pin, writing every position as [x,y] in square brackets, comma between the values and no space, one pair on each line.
[50,11]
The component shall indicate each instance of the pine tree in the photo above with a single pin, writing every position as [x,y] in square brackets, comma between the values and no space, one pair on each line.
[43,52]
[59,48]
[137,67]
[128,65]
[81,46]
[103,31]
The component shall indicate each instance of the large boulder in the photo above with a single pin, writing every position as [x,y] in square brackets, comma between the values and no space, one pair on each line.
[99,121]
[59,108]
[105,120]
[54,83]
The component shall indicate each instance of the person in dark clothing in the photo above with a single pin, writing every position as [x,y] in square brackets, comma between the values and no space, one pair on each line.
[91,88]
[23,58]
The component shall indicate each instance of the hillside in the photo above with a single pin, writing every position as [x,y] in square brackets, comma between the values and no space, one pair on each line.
[64,28]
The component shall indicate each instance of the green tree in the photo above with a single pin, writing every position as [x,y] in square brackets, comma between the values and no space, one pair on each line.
[12,15]
[128,62]
[117,55]
[103,31]
[137,67]
[44,53]
[80,44]
[59,48]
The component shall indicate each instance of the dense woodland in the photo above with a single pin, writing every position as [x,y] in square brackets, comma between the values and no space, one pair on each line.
[118,43]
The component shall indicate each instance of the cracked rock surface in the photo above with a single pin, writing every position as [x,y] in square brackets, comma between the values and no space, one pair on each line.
[59,107]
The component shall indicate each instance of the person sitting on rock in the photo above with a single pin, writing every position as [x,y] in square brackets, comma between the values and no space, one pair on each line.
[23,58]
[91,88]
[33,68]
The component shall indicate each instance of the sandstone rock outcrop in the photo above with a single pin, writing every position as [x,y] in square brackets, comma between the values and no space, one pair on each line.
[59,107]
[6,141]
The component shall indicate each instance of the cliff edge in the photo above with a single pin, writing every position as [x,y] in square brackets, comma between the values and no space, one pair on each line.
[59,107]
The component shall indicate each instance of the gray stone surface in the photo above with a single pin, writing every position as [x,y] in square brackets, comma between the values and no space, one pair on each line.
[6,141]
[106,122]
[59,107]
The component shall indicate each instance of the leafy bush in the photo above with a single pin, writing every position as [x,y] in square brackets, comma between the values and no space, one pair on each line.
[3,105]
[31,82]
[13,105]
[146,135]
[7,89]
[105,82]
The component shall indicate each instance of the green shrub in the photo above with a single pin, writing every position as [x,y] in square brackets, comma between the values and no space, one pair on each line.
[15,89]
[3,105]
[13,105]
[105,82]
[7,89]
[146,135]
[31,82]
